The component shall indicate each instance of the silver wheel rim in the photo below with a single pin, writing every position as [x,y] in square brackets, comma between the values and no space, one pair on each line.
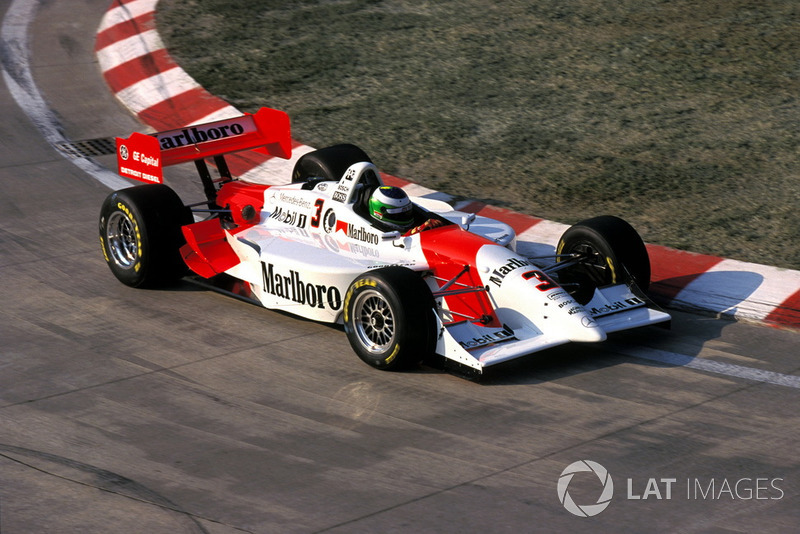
[121,239]
[374,321]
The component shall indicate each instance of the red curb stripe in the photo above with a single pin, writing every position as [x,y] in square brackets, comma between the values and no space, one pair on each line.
[518,221]
[788,313]
[473,206]
[136,70]
[123,30]
[673,270]
[388,179]
[245,161]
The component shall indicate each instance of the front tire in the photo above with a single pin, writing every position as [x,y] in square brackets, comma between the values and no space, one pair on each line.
[140,233]
[389,318]
[613,253]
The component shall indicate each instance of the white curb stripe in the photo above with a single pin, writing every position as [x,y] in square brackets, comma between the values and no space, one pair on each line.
[228,112]
[129,49]
[751,292]
[157,89]
[275,170]
[541,239]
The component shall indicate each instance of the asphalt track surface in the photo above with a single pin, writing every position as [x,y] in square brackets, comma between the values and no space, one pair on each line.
[182,410]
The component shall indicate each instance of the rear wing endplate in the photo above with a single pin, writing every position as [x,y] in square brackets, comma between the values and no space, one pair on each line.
[142,157]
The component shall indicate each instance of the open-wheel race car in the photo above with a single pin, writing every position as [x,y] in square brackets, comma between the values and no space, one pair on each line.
[409,278]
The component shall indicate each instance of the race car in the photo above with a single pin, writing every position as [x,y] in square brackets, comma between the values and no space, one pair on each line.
[408,278]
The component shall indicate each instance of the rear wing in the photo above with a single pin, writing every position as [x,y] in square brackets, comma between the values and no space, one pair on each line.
[142,157]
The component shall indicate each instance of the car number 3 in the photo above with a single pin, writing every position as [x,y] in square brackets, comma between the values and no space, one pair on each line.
[317,213]
[545,282]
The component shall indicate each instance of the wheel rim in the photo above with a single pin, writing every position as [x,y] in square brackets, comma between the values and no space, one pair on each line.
[374,323]
[121,239]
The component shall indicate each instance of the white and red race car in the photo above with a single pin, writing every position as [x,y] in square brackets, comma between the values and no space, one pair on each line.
[452,285]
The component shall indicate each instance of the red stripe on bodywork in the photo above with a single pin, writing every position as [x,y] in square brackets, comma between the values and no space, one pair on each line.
[207,251]
[788,313]
[673,270]
[237,196]
[448,250]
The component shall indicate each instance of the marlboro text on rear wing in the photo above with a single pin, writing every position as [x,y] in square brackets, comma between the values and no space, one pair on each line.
[142,157]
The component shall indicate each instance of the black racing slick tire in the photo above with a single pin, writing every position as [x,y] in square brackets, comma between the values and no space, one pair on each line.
[140,233]
[613,253]
[328,163]
[389,318]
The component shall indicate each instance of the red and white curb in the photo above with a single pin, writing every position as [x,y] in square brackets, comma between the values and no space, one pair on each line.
[143,76]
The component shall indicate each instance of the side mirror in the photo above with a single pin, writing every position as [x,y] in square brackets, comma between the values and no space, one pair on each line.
[467,219]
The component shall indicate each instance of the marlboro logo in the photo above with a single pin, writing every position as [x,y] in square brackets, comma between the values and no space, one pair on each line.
[501,272]
[205,132]
[292,288]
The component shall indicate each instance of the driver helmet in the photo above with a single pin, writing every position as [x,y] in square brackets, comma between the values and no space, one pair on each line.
[391,205]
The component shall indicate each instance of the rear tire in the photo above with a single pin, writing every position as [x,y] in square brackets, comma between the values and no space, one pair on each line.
[327,163]
[140,233]
[615,254]
[389,318]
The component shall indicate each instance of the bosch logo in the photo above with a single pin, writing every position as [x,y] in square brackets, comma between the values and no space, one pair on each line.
[586,510]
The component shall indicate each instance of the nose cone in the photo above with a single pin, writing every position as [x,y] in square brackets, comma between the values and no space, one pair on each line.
[588,335]
[586,330]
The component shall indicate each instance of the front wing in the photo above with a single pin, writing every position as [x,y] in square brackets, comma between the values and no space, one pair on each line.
[613,309]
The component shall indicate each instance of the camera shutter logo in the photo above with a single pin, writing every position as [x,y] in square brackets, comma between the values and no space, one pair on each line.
[586,510]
